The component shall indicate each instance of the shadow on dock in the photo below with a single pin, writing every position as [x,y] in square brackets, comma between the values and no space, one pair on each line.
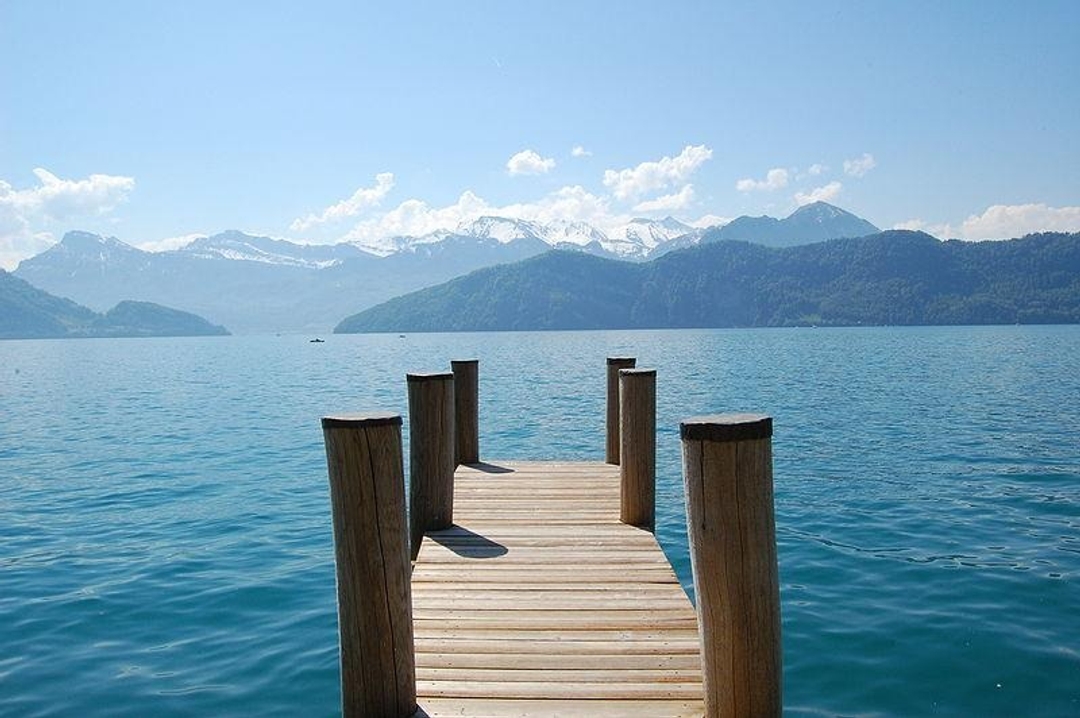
[466,543]
[487,468]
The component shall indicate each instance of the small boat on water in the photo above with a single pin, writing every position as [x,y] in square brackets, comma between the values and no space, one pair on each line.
[316,340]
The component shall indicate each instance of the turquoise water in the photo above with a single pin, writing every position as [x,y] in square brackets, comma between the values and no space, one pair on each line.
[165,543]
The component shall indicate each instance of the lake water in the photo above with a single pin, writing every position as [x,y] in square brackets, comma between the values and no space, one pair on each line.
[165,539]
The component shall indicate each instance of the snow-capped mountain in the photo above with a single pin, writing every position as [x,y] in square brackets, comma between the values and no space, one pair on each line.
[388,246]
[243,247]
[86,250]
[635,240]
[653,233]
[258,284]
[642,237]
[502,229]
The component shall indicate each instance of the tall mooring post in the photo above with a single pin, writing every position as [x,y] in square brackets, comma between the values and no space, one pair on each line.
[431,454]
[371,547]
[727,469]
[637,447]
[466,410]
[614,364]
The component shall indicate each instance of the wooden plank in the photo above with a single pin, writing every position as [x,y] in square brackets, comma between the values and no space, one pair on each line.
[536,636]
[548,556]
[541,573]
[614,593]
[554,601]
[510,708]
[540,689]
[565,654]
[611,529]
[581,618]
[594,672]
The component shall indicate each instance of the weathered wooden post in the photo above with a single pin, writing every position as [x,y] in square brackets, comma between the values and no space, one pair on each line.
[614,364]
[727,469]
[466,411]
[431,454]
[371,546]
[637,447]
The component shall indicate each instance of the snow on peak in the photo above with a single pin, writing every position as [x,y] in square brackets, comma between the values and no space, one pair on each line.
[241,247]
[567,232]
[83,241]
[501,229]
[386,246]
[640,236]
[93,248]
[819,211]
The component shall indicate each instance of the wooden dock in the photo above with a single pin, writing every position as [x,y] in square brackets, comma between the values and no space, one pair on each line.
[538,588]
[540,602]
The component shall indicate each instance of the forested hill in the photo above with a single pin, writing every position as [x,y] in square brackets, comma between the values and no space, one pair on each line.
[27,312]
[893,277]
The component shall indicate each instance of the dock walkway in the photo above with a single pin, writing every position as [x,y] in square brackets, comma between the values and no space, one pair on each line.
[539,601]
[538,589]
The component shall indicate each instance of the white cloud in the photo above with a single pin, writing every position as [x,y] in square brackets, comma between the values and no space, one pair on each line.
[1002,221]
[572,204]
[816,170]
[668,203]
[528,162]
[826,193]
[170,243]
[416,218]
[61,199]
[362,199]
[579,151]
[776,178]
[25,214]
[651,176]
[859,166]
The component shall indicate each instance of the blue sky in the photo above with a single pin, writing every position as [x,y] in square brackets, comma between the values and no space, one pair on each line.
[321,121]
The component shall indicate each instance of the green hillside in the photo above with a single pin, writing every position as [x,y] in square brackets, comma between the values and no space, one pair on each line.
[27,312]
[894,277]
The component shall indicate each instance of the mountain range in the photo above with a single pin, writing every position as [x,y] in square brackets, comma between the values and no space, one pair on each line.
[259,284]
[27,312]
[815,222]
[890,278]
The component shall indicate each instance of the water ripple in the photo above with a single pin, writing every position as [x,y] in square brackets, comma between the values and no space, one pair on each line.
[165,544]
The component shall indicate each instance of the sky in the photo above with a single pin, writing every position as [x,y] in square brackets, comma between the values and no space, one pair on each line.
[329,121]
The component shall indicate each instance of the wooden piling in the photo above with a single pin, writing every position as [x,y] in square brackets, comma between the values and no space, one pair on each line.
[614,364]
[466,411]
[637,447]
[431,454]
[727,469]
[371,545]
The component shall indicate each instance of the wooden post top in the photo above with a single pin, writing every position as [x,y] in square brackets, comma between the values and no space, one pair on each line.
[430,376]
[621,361]
[361,421]
[455,362]
[726,427]
[634,371]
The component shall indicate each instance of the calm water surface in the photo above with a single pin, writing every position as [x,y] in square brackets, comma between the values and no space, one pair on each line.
[165,542]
